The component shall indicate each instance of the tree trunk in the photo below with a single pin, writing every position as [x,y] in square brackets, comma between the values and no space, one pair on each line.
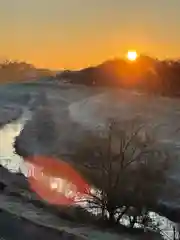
[133,221]
[103,212]
[111,217]
[121,214]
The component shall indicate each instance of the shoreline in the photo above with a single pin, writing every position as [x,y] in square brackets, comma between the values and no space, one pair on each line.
[10,114]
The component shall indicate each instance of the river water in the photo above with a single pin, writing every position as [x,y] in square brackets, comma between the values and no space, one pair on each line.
[8,157]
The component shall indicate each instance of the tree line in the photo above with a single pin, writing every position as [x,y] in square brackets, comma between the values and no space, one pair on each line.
[146,74]
[11,71]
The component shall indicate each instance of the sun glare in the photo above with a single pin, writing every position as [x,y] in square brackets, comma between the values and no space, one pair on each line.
[132,55]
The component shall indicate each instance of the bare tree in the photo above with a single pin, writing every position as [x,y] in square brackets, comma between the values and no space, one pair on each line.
[125,170]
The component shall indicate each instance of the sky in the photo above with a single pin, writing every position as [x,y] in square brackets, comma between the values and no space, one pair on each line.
[73,34]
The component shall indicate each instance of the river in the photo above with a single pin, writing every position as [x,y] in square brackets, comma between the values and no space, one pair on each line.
[8,157]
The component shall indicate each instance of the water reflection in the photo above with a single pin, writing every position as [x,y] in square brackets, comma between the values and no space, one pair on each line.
[55,181]
[8,158]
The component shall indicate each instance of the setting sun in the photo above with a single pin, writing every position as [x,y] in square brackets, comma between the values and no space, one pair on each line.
[132,55]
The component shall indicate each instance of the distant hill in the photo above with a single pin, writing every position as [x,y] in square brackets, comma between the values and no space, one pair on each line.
[12,71]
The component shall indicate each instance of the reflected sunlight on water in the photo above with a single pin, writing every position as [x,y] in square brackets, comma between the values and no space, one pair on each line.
[8,158]
[55,181]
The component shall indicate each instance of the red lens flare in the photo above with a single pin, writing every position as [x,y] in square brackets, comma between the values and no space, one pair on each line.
[55,181]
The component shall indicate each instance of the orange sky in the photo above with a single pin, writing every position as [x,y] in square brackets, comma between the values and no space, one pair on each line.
[76,33]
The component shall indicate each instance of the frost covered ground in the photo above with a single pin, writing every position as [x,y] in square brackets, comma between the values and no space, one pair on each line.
[74,110]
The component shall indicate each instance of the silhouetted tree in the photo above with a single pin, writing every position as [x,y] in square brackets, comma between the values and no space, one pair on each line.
[126,173]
